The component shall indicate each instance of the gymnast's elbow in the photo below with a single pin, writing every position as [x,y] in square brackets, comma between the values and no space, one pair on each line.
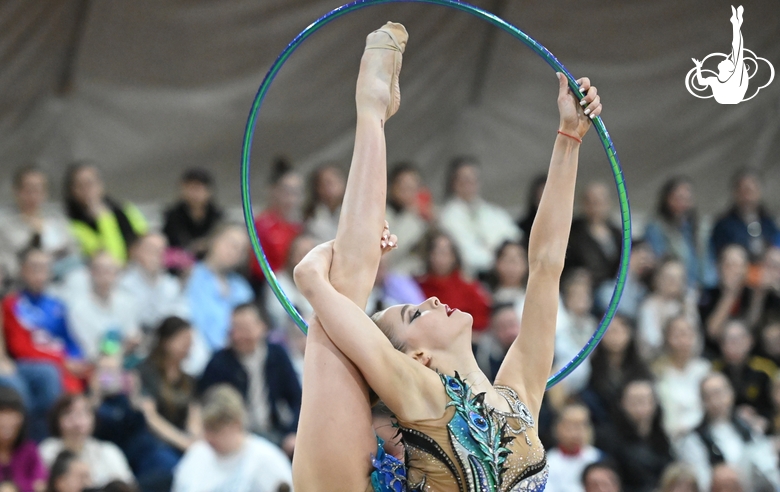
[305,277]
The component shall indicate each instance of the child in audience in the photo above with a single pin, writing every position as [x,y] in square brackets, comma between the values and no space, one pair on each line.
[574,451]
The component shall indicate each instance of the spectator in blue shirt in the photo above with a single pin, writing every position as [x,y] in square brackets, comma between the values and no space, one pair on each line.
[747,223]
[215,289]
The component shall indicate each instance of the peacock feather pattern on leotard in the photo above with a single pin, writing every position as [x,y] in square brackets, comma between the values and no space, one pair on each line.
[479,441]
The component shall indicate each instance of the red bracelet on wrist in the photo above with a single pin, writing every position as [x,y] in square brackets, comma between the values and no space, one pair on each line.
[579,140]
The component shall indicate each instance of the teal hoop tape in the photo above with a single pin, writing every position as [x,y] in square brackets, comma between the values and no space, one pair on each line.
[540,50]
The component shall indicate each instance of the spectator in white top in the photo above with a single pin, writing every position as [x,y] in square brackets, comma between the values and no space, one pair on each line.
[325,193]
[32,225]
[670,298]
[406,222]
[508,279]
[679,373]
[574,451]
[724,437]
[157,293]
[575,326]
[477,227]
[104,311]
[230,458]
[71,425]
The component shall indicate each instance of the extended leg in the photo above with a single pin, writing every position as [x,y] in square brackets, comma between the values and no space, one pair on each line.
[335,434]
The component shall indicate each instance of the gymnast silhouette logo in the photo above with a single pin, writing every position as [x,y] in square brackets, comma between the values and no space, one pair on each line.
[730,84]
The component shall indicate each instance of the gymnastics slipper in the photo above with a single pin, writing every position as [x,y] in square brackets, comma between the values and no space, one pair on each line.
[397,42]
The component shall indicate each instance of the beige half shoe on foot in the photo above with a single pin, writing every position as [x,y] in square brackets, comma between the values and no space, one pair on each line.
[397,42]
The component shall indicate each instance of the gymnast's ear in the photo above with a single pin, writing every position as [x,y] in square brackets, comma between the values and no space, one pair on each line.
[422,357]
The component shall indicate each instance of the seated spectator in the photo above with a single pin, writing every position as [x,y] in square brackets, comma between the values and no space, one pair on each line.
[491,348]
[768,346]
[636,439]
[36,329]
[169,406]
[214,288]
[731,298]
[725,479]
[575,326]
[325,193]
[443,279]
[69,473]
[670,298]
[104,311]
[230,458]
[723,436]
[262,373]
[20,462]
[679,373]
[37,384]
[767,289]
[533,198]
[280,223]
[595,242]
[300,246]
[391,288]
[641,265]
[674,233]
[157,293]
[188,223]
[31,225]
[508,279]
[403,215]
[116,398]
[573,452]
[477,226]
[614,362]
[750,376]
[678,477]
[99,222]
[601,476]
[747,223]
[72,422]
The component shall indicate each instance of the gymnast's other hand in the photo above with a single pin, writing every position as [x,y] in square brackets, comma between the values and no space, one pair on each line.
[389,241]
[576,116]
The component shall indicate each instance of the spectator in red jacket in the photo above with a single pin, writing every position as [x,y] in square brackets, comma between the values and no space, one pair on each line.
[443,279]
[280,223]
[35,323]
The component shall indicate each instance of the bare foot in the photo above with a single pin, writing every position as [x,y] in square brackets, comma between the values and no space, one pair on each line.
[377,87]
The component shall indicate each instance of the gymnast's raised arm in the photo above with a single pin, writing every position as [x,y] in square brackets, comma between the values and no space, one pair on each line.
[529,360]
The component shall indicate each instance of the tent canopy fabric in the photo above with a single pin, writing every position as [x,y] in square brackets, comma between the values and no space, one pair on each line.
[148,88]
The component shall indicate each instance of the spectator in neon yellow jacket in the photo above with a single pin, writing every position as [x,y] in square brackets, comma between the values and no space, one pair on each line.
[99,222]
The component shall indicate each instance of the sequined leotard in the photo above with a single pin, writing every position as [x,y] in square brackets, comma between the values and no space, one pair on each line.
[471,448]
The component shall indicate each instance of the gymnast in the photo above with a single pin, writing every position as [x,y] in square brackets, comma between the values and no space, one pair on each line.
[460,433]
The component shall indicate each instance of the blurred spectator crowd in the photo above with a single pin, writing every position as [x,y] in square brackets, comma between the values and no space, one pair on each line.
[133,358]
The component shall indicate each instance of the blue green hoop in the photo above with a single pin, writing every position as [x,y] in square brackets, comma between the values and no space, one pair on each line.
[540,50]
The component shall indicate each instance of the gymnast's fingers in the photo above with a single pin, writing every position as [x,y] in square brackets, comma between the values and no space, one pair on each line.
[595,108]
[589,96]
[584,84]
[595,101]
[393,242]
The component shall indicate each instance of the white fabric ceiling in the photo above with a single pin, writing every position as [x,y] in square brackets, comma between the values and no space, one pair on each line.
[147,88]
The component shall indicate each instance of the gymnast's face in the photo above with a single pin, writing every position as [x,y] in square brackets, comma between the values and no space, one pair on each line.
[725,69]
[425,328]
